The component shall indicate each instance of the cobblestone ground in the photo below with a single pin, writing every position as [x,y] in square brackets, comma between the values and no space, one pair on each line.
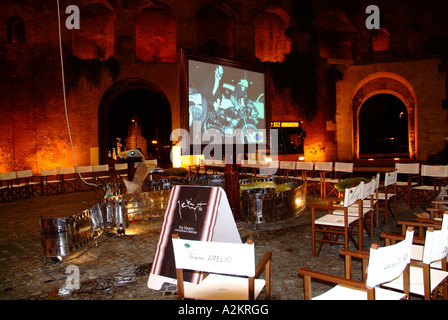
[117,268]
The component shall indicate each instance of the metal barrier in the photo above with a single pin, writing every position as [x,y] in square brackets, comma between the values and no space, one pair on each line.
[67,236]
[280,199]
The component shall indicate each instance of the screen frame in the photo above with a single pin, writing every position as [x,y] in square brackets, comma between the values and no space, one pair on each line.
[185,57]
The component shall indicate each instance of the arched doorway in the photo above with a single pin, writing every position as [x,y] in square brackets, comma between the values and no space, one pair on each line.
[137,113]
[378,102]
[383,127]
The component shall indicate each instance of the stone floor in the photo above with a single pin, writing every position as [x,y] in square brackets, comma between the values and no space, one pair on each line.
[117,268]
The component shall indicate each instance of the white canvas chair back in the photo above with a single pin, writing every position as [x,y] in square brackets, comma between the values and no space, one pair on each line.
[69,170]
[215,257]
[433,171]
[304,165]
[24,174]
[85,169]
[407,168]
[353,194]
[8,175]
[152,161]
[388,263]
[121,166]
[49,172]
[369,188]
[343,167]
[446,171]
[390,178]
[287,165]
[436,245]
[377,180]
[323,166]
[101,168]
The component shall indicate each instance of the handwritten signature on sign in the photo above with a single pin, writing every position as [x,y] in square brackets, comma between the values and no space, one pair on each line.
[188,206]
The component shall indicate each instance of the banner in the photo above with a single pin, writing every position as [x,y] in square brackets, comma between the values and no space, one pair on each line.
[194,213]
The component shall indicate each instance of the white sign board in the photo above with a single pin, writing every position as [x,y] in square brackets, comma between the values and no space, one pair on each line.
[218,257]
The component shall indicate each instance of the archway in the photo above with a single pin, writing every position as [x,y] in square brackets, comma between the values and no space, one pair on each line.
[397,91]
[135,107]
[383,127]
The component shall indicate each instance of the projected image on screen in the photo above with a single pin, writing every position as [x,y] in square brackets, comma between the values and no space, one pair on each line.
[227,101]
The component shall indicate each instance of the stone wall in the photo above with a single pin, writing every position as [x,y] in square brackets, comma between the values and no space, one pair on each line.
[427,87]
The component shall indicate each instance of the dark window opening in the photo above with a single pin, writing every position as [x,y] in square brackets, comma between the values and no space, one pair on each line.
[383,127]
[16,30]
[139,116]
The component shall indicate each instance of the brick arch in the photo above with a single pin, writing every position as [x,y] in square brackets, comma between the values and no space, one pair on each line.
[96,37]
[113,93]
[155,33]
[215,35]
[271,41]
[390,83]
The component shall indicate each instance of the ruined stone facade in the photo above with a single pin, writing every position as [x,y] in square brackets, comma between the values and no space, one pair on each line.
[125,45]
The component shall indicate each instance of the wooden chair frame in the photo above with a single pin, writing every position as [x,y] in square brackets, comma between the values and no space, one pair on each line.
[26,185]
[408,174]
[7,179]
[69,179]
[85,178]
[342,170]
[430,182]
[101,174]
[331,225]
[50,181]
[390,192]
[321,172]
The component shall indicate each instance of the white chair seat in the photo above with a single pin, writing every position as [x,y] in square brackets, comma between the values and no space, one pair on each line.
[416,286]
[429,188]
[222,287]
[382,196]
[52,181]
[335,220]
[405,184]
[343,293]
[19,185]
[353,211]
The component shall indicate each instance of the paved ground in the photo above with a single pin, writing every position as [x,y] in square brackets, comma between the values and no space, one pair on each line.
[117,268]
